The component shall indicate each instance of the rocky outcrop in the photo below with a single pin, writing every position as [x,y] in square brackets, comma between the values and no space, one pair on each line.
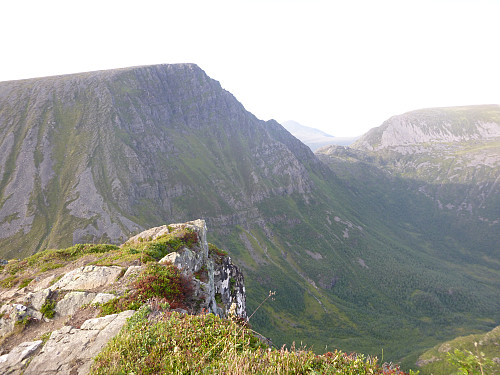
[218,287]
[69,350]
[219,284]
[87,278]
[16,360]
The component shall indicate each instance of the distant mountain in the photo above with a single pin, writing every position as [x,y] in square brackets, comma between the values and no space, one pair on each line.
[451,154]
[315,138]
[441,125]
[358,260]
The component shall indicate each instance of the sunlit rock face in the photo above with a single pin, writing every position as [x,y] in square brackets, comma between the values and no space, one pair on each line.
[220,284]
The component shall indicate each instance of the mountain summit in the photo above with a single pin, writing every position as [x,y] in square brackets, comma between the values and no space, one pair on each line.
[84,156]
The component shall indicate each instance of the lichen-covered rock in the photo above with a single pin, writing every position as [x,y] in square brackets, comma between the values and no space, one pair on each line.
[72,302]
[132,272]
[39,284]
[36,299]
[229,284]
[10,315]
[71,350]
[103,298]
[88,278]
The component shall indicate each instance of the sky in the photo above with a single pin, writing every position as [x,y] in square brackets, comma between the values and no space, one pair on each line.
[340,66]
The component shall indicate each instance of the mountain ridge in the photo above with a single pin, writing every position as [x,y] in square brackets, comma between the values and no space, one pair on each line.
[157,144]
[447,124]
[452,154]
[101,141]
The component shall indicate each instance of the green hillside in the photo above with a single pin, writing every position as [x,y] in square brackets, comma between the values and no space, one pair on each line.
[477,350]
[358,260]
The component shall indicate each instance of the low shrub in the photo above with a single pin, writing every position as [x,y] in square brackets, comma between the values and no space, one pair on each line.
[9,282]
[163,282]
[25,282]
[47,308]
[214,250]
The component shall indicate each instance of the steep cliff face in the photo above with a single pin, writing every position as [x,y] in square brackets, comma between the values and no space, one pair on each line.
[53,296]
[89,155]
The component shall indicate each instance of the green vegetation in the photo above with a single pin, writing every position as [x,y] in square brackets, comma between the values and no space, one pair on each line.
[162,283]
[212,249]
[22,323]
[25,282]
[9,282]
[473,354]
[167,243]
[388,270]
[22,271]
[176,343]
[469,363]
[48,307]
[52,259]
[44,337]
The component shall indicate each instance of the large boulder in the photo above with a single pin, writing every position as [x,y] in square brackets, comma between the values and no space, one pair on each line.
[88,278]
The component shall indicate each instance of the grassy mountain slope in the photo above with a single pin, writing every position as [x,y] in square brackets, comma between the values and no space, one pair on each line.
[439,251]
[484,347]
[434,176]
[96,156]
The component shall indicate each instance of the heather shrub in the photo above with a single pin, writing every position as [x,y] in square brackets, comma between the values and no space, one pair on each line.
[160,282]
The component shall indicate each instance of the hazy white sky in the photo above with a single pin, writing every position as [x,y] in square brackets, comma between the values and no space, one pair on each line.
[340,66]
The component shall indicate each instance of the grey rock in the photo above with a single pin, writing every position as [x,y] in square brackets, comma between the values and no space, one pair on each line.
[39,284]
[185,259]
[225,280]
[72,302]
[9,294]
[229,284]
[103,298]
[71,350]
[15,360]
[11,314]
[88,278]
[132,272]
[34,313]
[36,300]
